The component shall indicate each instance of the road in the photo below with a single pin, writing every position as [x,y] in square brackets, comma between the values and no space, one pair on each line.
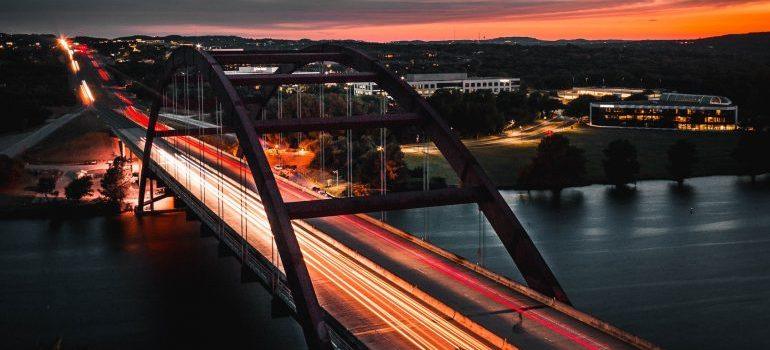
[38,135]
[346,256]
[526,136]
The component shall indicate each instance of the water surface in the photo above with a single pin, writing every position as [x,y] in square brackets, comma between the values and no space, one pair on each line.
[128,283]
[686,268]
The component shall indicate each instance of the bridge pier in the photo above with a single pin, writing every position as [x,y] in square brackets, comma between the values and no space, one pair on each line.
[153,182]
[121,148]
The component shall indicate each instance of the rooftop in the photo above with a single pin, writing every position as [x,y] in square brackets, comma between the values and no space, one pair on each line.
[448,77]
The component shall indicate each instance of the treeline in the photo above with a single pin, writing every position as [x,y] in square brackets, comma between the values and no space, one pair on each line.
[32,78]
[472,114]
[558,164]
[737,66]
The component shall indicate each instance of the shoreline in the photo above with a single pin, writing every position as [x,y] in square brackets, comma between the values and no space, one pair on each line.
[760,180]
[57,208]
[587,184]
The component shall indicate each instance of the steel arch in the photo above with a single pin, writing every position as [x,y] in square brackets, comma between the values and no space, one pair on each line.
[308,310]
[508,228]
[242,121]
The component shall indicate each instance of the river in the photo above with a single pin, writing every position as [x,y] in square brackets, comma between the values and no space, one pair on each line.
[686,269]
[128,283]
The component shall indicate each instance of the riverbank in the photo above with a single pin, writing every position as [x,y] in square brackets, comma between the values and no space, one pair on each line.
[504,157]
[14,208]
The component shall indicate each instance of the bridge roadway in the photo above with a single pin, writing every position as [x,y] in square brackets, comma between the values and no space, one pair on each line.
[380,309]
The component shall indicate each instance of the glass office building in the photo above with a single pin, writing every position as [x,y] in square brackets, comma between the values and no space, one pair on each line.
[671,111]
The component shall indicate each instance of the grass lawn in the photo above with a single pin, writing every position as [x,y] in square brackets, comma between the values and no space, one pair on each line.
[504,160]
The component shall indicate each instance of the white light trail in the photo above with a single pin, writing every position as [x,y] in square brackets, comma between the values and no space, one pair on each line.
[88,97]
[414,321]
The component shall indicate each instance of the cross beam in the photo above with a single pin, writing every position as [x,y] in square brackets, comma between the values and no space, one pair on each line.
[287,79]
[393,201]
[192,132]
[276,57]
[369,121]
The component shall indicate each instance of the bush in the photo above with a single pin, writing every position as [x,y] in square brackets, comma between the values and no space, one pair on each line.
[79,188]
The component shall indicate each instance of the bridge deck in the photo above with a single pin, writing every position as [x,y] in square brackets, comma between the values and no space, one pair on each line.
[382,312]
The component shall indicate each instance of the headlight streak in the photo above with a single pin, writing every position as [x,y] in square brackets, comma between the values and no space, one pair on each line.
[234,187]
[414,321]
[85,91]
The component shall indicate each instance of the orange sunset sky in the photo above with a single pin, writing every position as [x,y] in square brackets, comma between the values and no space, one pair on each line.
[387,20]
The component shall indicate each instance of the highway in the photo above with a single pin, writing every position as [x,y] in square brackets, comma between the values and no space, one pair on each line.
[371,280]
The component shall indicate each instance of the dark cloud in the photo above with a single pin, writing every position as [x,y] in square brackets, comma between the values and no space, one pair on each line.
[120,17]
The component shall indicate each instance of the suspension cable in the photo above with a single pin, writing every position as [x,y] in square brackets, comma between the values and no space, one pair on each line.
[349,137]
[426,187]
[322,156]
[280,116]
[299,114]
[383,156]
[482,226]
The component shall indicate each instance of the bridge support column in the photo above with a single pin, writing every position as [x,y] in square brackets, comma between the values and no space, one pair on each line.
[152,194]
[121,148]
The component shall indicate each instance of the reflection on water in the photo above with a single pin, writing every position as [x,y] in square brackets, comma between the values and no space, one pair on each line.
[685,267]
[127,283]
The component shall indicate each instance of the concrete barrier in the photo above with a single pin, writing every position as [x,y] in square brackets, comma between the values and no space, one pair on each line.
[419,295]
[518,287]
[565,309]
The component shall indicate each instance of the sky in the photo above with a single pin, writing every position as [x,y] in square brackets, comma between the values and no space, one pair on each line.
[389,20]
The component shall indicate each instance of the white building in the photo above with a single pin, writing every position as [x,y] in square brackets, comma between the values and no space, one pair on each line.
[428,84]
[252,70]
[570,94]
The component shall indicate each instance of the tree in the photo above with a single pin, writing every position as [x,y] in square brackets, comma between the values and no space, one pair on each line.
[682,155]
[45,185]
[79,188]
[620,163]
[542,104]
[751,153]
[579,107]
[469,114]
[116,181]
[556,165]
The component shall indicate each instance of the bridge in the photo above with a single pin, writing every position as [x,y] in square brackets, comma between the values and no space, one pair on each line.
[350,280]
